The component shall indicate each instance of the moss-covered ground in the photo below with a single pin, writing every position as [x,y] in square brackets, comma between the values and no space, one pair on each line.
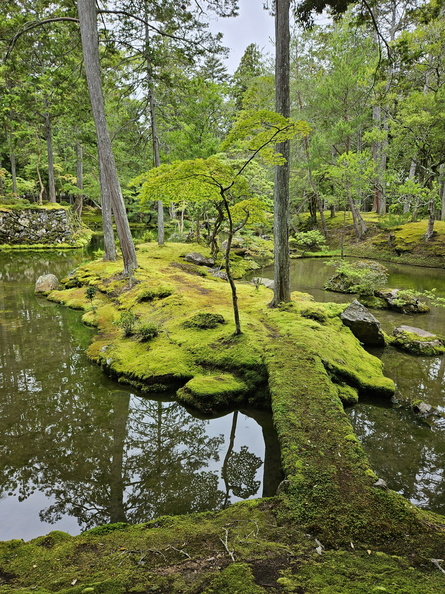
[329,530]
[392,238]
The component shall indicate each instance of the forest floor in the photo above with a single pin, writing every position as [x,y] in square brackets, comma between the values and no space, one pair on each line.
[390,238]
[329,530]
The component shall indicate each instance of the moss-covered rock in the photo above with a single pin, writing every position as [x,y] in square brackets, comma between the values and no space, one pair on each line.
[417,341]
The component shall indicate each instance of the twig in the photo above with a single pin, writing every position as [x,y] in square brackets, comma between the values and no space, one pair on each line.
[437,564]
[178,550]
[226,546]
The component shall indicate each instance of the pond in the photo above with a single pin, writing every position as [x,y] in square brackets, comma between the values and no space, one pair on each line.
[406,451]
[77,449]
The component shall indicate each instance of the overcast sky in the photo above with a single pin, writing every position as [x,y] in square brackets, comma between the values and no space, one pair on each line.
[253,25]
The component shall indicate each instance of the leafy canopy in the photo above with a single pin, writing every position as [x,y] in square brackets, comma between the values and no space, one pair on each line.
[211,179]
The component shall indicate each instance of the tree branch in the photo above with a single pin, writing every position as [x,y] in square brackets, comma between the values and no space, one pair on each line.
[33,25]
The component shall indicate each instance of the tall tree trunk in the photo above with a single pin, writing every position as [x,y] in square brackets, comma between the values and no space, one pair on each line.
[78,205]
[408,199]
[431,218]
[107,218]
[281,188]
[49,147]
[121,408]
[442,192]
[90,47]
[13,161]
[154,131]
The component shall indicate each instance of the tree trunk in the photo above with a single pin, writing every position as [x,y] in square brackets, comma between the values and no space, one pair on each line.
[90,48]
[78,205]
[408,199]
[121,408]
[431,218]
[442,192]
[229,270]
[281,188]
[49,146]
[154,132]
[309,170]
[107,219]
[156,161]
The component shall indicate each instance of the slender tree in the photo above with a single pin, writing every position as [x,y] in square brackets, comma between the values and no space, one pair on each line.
[90,48]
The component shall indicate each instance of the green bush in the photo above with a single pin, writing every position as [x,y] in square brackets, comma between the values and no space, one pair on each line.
[308,241]
[127,322]
[362,277]
[147,330]
[148,236]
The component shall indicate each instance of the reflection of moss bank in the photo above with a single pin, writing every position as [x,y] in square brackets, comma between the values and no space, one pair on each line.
[300,364]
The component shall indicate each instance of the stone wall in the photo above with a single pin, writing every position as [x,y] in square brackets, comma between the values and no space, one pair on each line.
[36,226]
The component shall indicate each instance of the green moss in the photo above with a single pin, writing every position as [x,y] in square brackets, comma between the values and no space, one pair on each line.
[300,360]
[418,345]
[237,578]
[361,572]
[347,394]
[204,321]
[212,392]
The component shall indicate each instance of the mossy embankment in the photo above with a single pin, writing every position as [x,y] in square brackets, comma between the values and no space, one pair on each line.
[329,530]
[392,238]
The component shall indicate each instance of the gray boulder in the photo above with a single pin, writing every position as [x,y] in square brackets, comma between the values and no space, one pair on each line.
[199,259]
[46,283]
[363,324]
[267,282]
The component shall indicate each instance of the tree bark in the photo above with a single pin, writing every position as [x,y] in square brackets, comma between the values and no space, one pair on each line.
[49,147]
[228,267]
[154,132]
[107,219]
[78,205]
[281,187]
[90,47]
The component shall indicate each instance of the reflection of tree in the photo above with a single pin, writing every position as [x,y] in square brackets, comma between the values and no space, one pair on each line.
[239,469]
[101,454]
[406,452]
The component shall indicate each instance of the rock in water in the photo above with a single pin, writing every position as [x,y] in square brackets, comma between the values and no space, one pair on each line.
[363,324]
[417,341]
[46,283]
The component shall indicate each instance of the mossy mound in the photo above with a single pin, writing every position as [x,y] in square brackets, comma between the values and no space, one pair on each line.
[213,393]
[204,321]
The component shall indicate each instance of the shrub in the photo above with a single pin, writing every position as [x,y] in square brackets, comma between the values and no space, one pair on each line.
[308,241]
[90,293]
[127,322]
[148,236]
[357,277]
[147,330]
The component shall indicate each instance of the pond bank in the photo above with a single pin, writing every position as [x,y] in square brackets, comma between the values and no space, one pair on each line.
[301,361]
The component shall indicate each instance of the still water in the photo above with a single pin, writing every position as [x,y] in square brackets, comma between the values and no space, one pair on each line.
[77,449]
[406,451]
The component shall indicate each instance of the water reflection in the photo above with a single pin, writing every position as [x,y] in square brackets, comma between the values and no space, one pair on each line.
[75,444]
[405,451]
